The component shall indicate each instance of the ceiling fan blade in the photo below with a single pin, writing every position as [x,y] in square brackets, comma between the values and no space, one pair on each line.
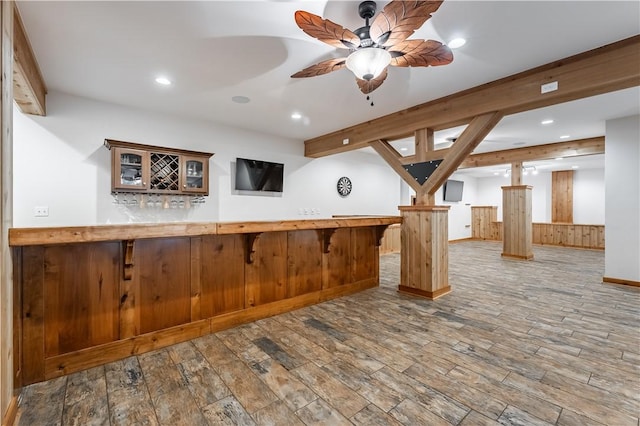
[320,68]
[420,53]
[399,19]
[367,87]
[326,31]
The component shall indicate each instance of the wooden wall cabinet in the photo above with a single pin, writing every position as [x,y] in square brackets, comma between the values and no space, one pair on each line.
[157,170]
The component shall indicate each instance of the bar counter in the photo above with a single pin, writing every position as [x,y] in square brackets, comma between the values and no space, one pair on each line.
[85,296]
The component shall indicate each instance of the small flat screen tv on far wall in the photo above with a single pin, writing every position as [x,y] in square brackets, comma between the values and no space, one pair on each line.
[255,175]
[452,190]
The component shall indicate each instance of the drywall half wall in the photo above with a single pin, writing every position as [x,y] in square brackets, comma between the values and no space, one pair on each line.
[622,199]
[60,163]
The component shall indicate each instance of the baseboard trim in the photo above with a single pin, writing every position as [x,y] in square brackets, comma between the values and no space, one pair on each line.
[431,295]
[9,417]
[517,256]
[461,240]
[609,280]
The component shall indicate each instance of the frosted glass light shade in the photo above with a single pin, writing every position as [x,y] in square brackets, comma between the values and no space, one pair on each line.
[368,63]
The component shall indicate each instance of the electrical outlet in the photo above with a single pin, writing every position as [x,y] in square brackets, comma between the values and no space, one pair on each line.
[41,211]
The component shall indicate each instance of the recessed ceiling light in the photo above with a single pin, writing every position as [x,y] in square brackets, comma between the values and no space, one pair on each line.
[546,122]
[240,99]
[496,173]
[296,116]
[403,149]
[574,167]
[163,80]
[565,137]
[559,158]
[456,42]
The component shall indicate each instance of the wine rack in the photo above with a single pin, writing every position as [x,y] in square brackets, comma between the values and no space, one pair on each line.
[146,169]
[165,172]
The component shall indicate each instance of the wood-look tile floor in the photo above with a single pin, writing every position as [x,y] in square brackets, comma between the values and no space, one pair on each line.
[516,343]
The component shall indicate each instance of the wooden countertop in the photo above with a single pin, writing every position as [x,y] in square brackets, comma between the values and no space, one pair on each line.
[83,234]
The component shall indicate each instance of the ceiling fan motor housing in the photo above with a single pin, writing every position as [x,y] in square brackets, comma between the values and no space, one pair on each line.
[367,9]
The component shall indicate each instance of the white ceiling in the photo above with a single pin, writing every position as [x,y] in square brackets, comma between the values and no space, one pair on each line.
[215,50]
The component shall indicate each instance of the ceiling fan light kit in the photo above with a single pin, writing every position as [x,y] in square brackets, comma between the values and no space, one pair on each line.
[377,45]
[368,63]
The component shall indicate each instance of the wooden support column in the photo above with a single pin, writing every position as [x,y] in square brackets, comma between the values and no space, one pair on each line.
[425,237]
[424,254]
[424,144]
[516,174]
[516,212]
[9,345]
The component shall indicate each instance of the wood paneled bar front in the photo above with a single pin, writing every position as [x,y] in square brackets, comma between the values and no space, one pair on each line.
[96,294]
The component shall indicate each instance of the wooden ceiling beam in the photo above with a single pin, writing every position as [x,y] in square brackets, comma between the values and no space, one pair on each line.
[438,154]
[602,70]
[475,133]
[424,143]
[29,90]
[392,157]
[548,151]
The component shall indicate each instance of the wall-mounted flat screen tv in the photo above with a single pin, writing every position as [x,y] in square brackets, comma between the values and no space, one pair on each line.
[255,175]
[452,190]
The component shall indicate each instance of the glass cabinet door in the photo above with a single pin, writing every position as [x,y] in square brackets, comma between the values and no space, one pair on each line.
[194,175]
[130,171]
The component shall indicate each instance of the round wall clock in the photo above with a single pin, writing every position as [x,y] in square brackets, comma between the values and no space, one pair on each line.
[344,186]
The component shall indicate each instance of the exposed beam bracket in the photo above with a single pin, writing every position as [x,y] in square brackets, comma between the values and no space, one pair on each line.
[422,171]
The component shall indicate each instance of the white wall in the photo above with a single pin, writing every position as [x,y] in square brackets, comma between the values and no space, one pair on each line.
[622,199]
[490,194]
[588,195]
[60,162]
[460,212]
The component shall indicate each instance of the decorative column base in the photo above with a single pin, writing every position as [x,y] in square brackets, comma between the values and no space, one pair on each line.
[517,240]
[424,255]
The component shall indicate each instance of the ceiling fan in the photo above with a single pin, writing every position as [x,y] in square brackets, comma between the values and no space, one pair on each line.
[375,46]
